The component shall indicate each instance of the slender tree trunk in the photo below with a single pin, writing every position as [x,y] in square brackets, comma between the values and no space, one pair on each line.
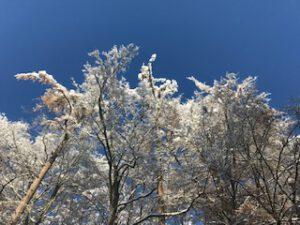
[36,182]
[161,204]
[114,198]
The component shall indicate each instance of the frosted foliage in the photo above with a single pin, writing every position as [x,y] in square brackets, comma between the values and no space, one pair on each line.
[104,152]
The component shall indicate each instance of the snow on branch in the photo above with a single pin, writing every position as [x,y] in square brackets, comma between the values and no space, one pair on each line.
[200,85]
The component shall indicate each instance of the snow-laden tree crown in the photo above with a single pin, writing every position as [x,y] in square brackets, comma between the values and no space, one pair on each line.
[108,153]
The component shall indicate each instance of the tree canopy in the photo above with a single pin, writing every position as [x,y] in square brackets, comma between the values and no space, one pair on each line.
[108,153]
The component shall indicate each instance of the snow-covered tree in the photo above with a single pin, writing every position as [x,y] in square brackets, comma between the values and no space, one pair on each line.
[104,152]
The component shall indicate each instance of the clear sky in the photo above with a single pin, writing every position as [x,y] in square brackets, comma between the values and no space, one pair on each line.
[204,38]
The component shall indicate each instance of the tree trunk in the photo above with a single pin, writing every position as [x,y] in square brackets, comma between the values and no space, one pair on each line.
[36,183]
[114,198]
[161,204]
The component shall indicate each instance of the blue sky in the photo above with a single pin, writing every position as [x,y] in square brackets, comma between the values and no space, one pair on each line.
[204,38]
